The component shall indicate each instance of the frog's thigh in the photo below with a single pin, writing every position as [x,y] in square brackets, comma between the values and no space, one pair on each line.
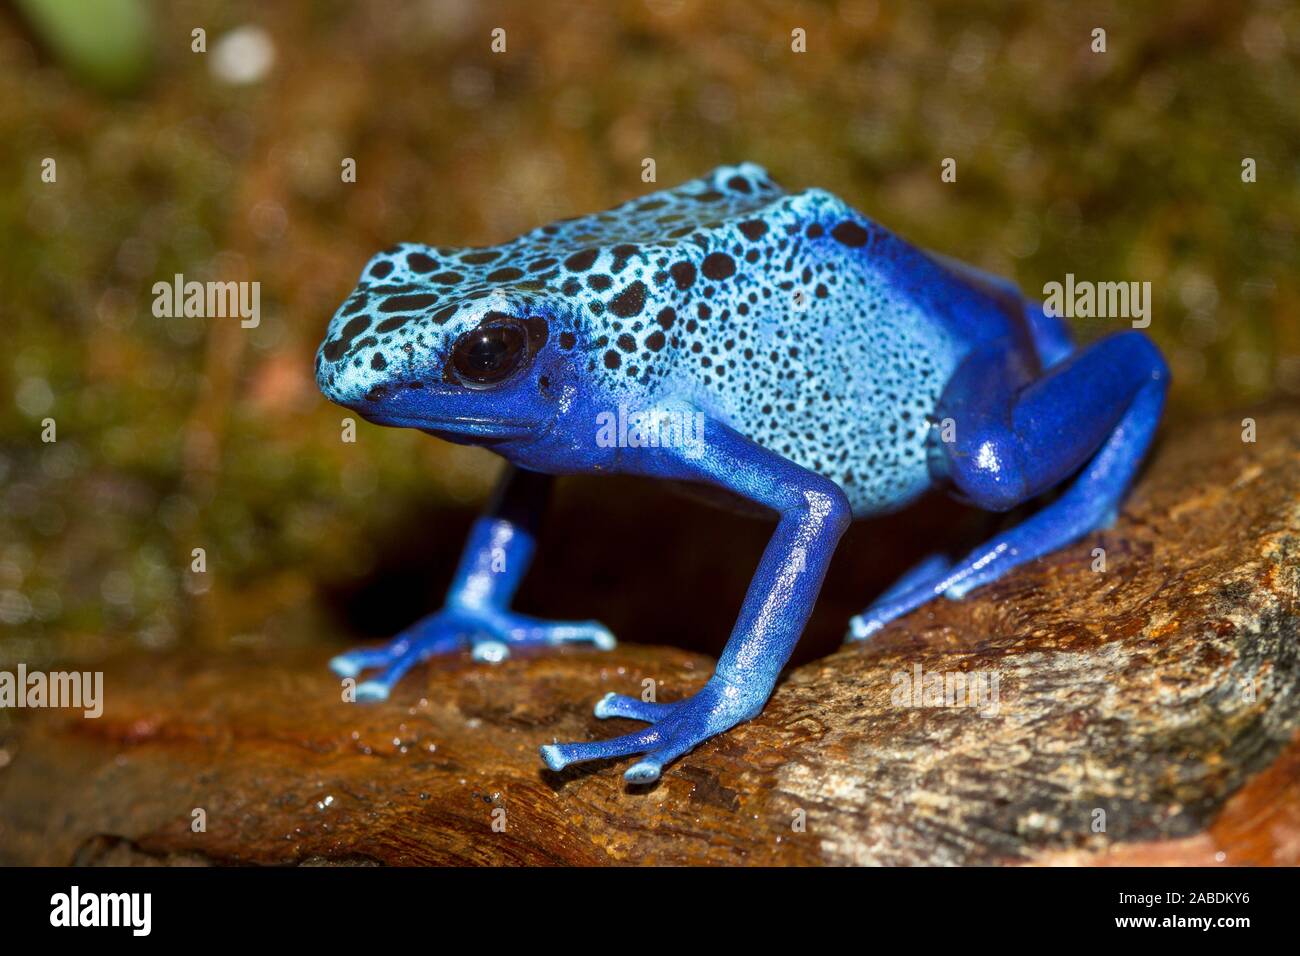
[1015,440]
[1014,436]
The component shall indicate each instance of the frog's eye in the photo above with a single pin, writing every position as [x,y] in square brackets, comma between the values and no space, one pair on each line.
[488,354]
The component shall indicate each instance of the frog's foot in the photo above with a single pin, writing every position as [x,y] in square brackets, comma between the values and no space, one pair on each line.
[864,625]
[676,728]
[490,635]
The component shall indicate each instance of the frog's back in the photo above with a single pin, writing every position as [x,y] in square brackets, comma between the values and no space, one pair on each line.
[796,320]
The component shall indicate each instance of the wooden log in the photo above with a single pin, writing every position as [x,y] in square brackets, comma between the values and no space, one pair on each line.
[1144,713]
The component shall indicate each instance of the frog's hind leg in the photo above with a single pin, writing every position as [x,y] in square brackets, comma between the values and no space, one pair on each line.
[1016,436]
[1050,335]
[927,569]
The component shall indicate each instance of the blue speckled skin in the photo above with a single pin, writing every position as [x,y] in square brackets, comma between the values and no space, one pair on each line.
[822,355]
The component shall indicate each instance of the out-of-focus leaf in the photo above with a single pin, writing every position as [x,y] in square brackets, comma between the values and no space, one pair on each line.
[106,43]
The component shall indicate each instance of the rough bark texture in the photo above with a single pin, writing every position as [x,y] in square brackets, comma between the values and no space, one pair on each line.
[1161,692]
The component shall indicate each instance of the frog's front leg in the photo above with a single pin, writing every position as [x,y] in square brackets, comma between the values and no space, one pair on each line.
[476,612]
[813,514]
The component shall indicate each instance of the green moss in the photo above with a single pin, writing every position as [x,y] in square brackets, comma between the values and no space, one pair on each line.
[175,434]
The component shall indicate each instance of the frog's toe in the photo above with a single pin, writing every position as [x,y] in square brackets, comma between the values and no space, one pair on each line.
[649,767]
[558,756]
[354,662]
[680,736]
[620,705]
[395,658]
[863,626]
[872,621]
[677,728]
[379,686]
[490,651]
[365,658]
[525,630]
[680,739]
[898,598]
[373,689]
[645,770]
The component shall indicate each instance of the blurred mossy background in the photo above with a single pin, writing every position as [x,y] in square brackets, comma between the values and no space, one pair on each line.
[176,434]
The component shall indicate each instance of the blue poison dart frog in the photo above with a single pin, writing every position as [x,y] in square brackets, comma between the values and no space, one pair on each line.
[781,348]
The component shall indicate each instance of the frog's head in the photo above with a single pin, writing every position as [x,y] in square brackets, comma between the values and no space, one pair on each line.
[430,339]
[491,344]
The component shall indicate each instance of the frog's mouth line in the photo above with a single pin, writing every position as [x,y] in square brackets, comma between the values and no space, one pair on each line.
[464,426]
